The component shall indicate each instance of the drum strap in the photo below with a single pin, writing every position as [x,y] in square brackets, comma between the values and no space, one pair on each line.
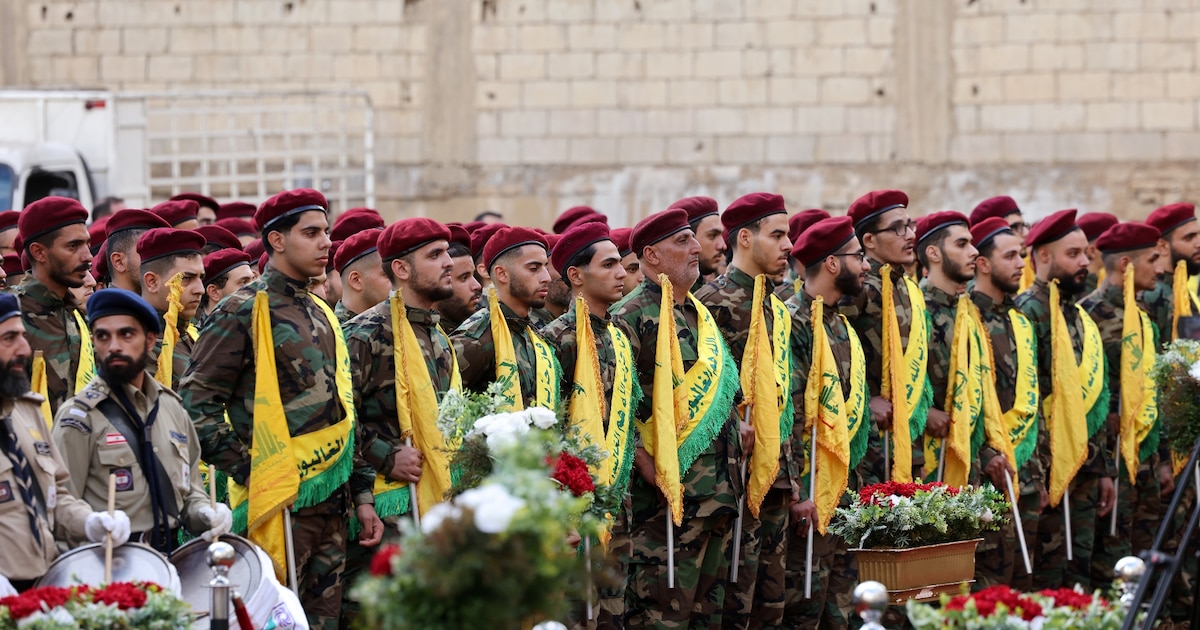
[138,434]
[27,483]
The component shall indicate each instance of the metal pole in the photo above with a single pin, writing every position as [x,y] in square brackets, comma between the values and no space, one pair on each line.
[290,546]
[737,526]
[1012,496]
[412,492]
[1067,523]
[812,494]
[942,461]
[1112,528]
[671,549]
[887,455]
[587,557]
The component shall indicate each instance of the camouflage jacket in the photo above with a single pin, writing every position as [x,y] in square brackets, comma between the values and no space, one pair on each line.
[729,298]
[540,317]
[182,355]
[477,354]
[1035,304]
[865,314]
[50,326]
[994,317]
[1159,302]
[373,368]
[344,314]
[561,334]
[711,484]
[942,308]
[220,379]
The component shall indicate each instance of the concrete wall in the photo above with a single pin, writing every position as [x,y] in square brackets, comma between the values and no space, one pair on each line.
[530,106]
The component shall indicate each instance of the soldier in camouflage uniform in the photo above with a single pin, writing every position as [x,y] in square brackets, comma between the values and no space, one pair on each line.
[1181,235]
[165,253]
[516,260]
[757,229]
[1057,247]
[833,270]
[364,283]
[998,271]
[220,383]
[1119,246]
[1093,225]
[53,233]
[457,308]
[667,245]
[588,259]
[705,221]
[123,231]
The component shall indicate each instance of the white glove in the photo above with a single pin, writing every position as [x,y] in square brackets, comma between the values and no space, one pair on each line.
[6,587]
[219,519]
[100,524]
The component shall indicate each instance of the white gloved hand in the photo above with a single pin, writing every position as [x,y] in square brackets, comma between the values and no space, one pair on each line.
[6,587]
[100,524]
[219,519]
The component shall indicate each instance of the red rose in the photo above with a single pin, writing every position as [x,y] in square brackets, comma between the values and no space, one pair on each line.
[381,563]
[123,594]
[572,473]
[1069,598]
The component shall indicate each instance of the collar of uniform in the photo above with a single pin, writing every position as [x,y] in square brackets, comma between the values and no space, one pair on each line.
[829,313]
[515,323]
[142,398]
[598,323]
[742,279]
[181,324]
[422,317]
[985,302]
[936,295]
[40,293]
[653,291]
[1112,294]
[283,284]
[877,269]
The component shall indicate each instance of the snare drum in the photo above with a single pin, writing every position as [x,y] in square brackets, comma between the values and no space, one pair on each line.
[131,562]
[251,575]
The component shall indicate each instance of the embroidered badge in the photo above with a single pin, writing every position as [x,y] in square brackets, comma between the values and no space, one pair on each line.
[178,437]
[6,494]
[43,448]
[124,479]
[114,438]
[75,424]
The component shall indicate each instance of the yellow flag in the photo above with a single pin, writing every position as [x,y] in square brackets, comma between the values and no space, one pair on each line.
[87,355]
[274,480]
[417,408]
[825,408]
[962,398]
[996,424]
[760,393]
[166,355]
[587,396]
[1139,405]
[1066,415]
[1101,275]
[1182,297]
[1028,275]
[39,386]
[891,386]
[506,355]
[669,409]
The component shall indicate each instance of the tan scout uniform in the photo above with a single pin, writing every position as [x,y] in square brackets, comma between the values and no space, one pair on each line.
[21,558]
[93,448]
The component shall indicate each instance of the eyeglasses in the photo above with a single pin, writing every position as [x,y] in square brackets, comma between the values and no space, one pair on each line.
[861,255]
[899,229]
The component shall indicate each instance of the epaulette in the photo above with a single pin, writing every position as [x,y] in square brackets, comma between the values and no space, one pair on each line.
[88,398]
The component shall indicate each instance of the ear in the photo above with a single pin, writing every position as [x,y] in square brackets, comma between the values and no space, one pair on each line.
[933,254]
[744,238]
[650,256]
[574,277]
[151,340]
[150,282]
[214,294]
[482,271]
[1042,255]
[38,253]
[116,262]
[400,270]
[868,241]
[500,275]
[983,266]
[275,240]
[353,280]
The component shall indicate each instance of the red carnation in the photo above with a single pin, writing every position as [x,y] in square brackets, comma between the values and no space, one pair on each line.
[381,564]
[1069,598]
[123,594]
[572,473]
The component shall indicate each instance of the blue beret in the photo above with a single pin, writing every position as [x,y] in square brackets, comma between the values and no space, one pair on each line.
[109,302]
[10,306]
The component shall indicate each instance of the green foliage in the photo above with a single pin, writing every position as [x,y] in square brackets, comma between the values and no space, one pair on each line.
[902,516]
[1177,374]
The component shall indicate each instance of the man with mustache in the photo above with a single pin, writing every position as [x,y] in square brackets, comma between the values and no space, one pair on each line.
[705,221]
[998,271]
[123,231]
[516,260]
[128,424]
[1129,248]
[364,282]
[1180,238]
[756,229]
[167,254]
[458,307]
[1057,246]
[54,237]
[833,267]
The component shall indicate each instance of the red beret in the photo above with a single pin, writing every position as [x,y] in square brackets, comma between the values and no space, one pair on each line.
[354,221]
[658,226]
[800,221]
[988,229]
[47,215]
[238,226]
[12,264]
[1169,217]
[1124,237]
[576,215]
[551,240]
[408,235]
[8,219]
[696,207]
[262,263]
[203,201]
[749,208]
[362,244]
[162,242]
[1001,206]
[471,226]
[508,239]
[1051,228]
[822,239]
[334,247]
[255,248]
[222,261]
[130,219]
[620,237]
[481,236]
[1094,224]
[931,224]
[176,212]
[100,261]
[576,239]
[236,210]
[288,203]
[96,232]
[460,236]
[875,203]
[218,235]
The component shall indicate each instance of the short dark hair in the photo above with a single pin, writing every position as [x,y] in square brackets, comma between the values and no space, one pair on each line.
[987,248]
[104,208]
[159,266]
[283,225]
[870,226]
[124,241]
[582,258]
[731,242]
[488,213]
[211,247]
[938,240]
[457,250]
[505,259]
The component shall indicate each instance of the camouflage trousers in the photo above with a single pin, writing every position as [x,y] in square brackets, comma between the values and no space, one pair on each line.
[1050,551]
[998,558]
[608,599]
[320,543]
[835,574]
[1139,512]
[358,564]
[756,599]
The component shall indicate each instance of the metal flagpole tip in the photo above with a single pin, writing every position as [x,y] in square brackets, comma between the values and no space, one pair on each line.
[1130,569]
[871,601]
[221,557]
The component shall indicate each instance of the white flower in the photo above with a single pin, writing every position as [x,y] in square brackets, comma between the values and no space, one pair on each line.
[1195,371]
[501,429]
[987,516]
[550,625]
[542,418]
[494,507]
[433,519]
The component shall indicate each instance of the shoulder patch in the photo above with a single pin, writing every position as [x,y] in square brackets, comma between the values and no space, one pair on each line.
[179,437]
[75,423]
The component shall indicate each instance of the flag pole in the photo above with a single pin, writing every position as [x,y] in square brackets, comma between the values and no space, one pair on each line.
[671,548]
[887,455]
[1012,496]
[942,461]
[412,492]
[1112,528]
[108,538]
[587,556]
[737,526]
[812,496]
[1067,522]
[290,547]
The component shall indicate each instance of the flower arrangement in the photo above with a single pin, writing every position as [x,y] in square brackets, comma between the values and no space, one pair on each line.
[1177,373]
[1000,607]
[495,556]
[135,605]
[894,515]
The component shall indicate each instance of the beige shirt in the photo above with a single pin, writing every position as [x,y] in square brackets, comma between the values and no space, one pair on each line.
[20,557]
[93,448]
